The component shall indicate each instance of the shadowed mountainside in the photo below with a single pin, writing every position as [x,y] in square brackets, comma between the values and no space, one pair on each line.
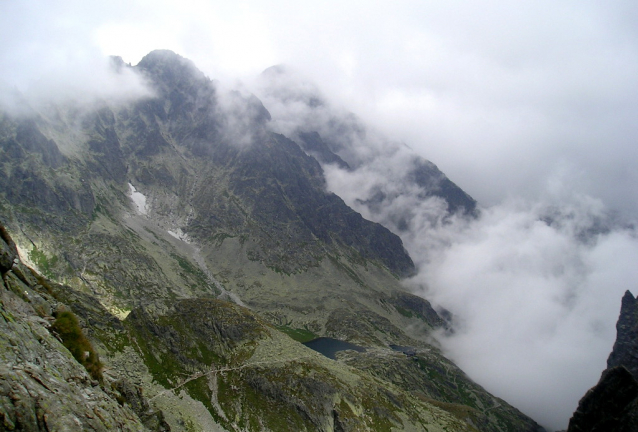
[612,404]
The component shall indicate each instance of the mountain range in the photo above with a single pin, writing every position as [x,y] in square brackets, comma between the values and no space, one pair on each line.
[191,243]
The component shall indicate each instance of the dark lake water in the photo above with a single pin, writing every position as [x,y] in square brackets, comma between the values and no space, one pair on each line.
[330,347]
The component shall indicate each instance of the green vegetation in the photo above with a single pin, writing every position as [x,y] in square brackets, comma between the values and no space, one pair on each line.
[97,211]
[298,334]
[44,263]
[220,237]
[405,312]
[68,327]
[189,268]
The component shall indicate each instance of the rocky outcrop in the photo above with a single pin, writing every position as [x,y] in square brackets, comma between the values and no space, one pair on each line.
[612,405]
[411,305]
[337,138]
[434,183]
[8,251]
[625,351]
[42,386]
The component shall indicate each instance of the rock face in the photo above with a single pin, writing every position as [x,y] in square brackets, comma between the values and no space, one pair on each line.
[196,247]
[625,351]
[612,405]
[42,387]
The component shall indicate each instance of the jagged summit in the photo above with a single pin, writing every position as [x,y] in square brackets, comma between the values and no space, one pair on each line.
[625,351]
[171,68]
[433,182]
[612,404]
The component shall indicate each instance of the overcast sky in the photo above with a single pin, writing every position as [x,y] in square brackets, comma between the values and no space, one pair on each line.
[500,94]
[524,102]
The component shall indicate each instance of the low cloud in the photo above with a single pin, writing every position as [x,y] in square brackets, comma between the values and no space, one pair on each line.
[297,105]
[49,56]
[240,116]
[534,283]
[108,80]
[534,287]
[536,299]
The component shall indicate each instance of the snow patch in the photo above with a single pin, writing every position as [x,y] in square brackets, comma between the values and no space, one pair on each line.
[138,199]
[180,235]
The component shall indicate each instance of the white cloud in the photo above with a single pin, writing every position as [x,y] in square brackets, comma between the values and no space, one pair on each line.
[496,94]
[534,284]
[48,55]
[536,305]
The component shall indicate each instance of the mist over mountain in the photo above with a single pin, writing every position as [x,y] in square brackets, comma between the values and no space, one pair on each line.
[251,197]
[197,246]
[532,284]
[528,108]
[529,286]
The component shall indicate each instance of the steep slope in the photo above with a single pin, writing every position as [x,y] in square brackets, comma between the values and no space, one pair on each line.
[203,364]
[268,186]
[612,404]
[42,386]
[625,350]
[340,139]
[151,214]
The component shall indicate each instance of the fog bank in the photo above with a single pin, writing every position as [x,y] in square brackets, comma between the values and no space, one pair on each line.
[534,286]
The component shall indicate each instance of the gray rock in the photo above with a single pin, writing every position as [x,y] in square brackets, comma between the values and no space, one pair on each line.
[625,351]
[42,387]
[8,251]
[612,405]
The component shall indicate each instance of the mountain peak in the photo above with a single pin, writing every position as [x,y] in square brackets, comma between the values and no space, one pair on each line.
[229,209]
[170,68]
[162,55]
[628,299]
[626,346]
[612,404]
[275,70]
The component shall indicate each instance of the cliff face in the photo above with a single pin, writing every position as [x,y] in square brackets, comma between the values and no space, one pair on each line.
[190,241]
[625,351]
[613,403]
